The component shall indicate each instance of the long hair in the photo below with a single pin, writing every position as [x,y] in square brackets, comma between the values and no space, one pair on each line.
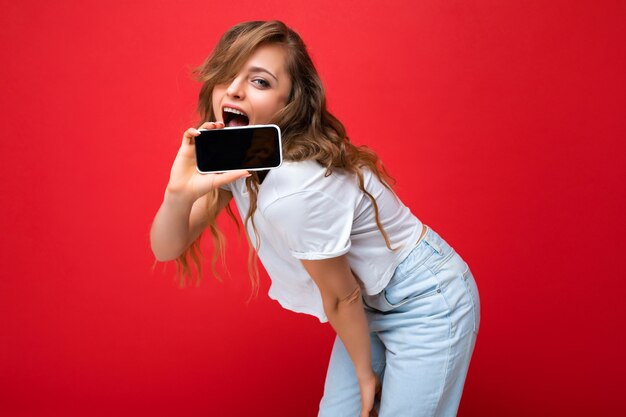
[309,130]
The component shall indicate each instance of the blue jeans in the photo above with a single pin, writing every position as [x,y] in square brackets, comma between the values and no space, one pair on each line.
[423,330]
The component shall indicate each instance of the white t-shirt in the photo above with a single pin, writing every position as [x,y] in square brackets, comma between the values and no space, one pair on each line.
[303,214]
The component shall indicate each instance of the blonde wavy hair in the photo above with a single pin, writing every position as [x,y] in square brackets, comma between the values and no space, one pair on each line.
[309,130]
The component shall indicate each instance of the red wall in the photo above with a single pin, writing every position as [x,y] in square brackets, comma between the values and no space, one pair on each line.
[503,122]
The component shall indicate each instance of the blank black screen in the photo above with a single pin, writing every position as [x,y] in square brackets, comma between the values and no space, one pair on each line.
[245,148]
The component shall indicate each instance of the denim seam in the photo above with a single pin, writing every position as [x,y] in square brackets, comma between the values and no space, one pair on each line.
[403,271]
[414,297]
[445,376]
[437,267]
[471,297]
[410,299]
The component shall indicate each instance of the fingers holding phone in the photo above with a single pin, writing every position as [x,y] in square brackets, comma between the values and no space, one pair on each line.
[185,180]
[227,177]
[187,147]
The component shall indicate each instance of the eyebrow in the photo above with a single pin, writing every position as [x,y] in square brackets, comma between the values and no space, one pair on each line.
[261,69]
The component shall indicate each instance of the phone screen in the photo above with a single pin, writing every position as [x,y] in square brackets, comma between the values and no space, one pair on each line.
[248,147]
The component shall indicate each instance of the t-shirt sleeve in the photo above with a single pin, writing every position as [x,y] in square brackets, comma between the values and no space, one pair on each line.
[313,224]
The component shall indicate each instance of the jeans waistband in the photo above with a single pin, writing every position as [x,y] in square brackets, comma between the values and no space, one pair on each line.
[432,239]
[430,252]
[442,249]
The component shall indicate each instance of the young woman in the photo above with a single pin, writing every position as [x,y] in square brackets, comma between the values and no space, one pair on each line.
[334,238]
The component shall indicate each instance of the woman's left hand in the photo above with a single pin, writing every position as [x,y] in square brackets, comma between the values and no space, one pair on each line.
[370,388]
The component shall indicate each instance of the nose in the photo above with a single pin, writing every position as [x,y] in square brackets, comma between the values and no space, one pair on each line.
[235,89]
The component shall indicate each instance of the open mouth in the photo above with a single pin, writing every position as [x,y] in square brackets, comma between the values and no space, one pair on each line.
[234,117]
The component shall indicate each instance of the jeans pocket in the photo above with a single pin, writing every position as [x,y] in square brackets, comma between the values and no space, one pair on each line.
[419,283]
[472,290]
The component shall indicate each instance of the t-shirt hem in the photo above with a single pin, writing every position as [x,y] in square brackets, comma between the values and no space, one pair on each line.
[312,256]
[300,309]
[388,274]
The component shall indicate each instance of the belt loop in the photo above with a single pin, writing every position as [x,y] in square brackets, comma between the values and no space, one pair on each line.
[432,244]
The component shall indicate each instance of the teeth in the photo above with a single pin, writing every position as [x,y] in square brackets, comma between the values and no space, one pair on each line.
[235,111]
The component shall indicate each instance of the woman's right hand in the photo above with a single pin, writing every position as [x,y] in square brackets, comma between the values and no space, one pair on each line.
[370,388]
[185,180]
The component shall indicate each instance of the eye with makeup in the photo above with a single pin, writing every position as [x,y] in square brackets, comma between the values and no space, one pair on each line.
[260,82]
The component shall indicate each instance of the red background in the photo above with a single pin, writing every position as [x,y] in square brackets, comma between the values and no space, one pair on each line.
[503,122]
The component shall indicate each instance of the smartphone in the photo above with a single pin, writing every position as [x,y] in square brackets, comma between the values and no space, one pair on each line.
[253,148]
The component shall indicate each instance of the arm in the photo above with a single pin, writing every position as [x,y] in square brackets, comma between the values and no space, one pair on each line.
[183,214]
[343,305]
[179,222]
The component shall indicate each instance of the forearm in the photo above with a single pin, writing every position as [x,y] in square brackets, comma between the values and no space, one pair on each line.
[188,199]
[343,305]
[170,234]
[348,319]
